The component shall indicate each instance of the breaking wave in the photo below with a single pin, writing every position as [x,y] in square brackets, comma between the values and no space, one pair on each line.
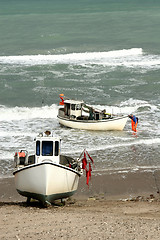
[72,58]
[134,57]
[19,113]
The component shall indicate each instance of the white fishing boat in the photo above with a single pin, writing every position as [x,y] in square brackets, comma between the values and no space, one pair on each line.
[47,175]
[77,114]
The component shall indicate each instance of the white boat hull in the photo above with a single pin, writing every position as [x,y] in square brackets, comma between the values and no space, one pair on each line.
[117,124]
[46,181]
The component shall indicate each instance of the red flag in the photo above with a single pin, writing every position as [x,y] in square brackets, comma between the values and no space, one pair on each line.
[62,100]
[90,169]
[90,157]
[87,176]
[84,163]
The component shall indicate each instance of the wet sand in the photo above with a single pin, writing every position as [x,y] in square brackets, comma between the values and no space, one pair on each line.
[115,206]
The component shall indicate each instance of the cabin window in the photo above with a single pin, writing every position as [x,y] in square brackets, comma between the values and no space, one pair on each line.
[73,107]
[78,107]
[56,150]
[38,148]
[47,148]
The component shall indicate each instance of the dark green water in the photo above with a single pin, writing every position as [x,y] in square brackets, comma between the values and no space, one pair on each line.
[34,27]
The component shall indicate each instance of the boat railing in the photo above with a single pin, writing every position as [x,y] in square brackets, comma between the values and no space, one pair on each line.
[62,114]
[65,160]
[69,162]
[31,159]
[23,161]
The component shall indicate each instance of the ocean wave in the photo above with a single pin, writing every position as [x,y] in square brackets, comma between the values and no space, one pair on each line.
[127,170]
[129,106]
[131,143]
[126,107]
[128,143]
[19,113]
[137,105]
[88,57]
[129,58]
[110,57]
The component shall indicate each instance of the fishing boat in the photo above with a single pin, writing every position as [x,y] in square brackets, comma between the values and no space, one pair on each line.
[46,175]
[77,114]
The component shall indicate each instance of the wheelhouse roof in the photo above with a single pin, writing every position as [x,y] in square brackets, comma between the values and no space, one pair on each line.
[53,139]
[73,101]
[50,137]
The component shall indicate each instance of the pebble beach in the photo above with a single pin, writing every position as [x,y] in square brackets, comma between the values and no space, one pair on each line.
[112,207]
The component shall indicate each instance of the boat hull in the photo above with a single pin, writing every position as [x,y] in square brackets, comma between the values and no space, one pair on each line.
[46,181]
[115,124]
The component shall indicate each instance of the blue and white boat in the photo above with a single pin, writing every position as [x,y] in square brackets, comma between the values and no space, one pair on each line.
[47,175]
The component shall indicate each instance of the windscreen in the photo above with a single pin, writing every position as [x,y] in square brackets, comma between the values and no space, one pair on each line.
[47,148]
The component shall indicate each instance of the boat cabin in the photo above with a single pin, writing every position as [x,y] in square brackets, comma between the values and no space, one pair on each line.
[47,148]
[72,108]
[77,110]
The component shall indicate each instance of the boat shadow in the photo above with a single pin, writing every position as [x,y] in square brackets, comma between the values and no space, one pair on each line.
[37,204]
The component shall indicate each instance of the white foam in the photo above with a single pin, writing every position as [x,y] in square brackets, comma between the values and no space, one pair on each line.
[117,109]
[132,105]
[136,142]
[127,170]
[19,113]
[127,107]
[129,58]
[154,141]
[16,134]
[110,58]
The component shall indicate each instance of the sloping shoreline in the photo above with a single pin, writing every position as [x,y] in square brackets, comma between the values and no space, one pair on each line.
[114,206]
[108,186]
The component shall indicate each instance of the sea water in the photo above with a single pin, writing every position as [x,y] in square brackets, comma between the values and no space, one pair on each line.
[106,53]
